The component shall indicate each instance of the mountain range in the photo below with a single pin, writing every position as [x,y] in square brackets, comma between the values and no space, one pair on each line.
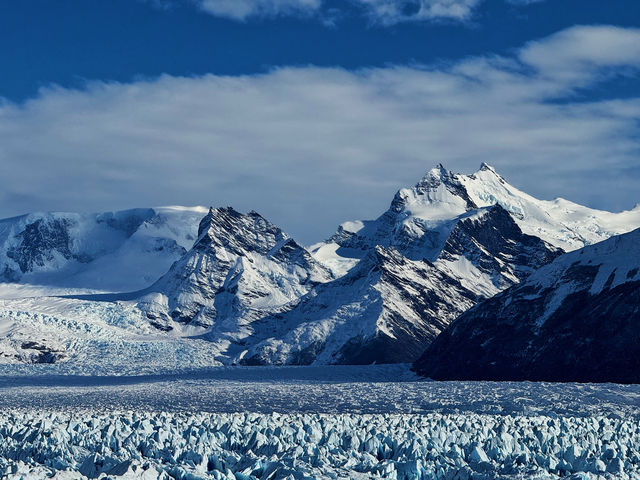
[244,292]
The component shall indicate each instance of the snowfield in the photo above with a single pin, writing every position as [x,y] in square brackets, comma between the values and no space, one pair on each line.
[310,422]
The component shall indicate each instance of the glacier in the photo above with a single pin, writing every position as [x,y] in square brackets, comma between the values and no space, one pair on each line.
[333,422]
[165,445]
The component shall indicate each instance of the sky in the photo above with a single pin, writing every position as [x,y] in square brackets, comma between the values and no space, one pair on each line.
[313,112]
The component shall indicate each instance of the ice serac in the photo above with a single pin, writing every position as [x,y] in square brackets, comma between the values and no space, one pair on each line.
[576,319]
[109,251]
[241,267]
[389,307]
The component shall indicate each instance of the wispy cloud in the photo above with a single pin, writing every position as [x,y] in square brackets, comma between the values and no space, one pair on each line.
[524,2]
[310,147]
[579,53]
[243,9]
[380,12]
[389,12]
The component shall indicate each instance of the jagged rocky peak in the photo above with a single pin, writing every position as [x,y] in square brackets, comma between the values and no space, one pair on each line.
[234,233]
[442,186]
[575,319]
[434,178]
[237,232]
[240,267]
[485,167]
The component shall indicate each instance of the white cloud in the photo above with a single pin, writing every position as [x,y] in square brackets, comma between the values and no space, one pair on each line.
[310,147]
[383,12]
[524,2]
[243,9]
[389,12]
[572,54]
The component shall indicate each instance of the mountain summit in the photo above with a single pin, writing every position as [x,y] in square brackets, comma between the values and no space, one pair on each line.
[423,215]
[391,305]
[240,267]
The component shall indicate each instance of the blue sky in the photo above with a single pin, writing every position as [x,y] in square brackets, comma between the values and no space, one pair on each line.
[313,111]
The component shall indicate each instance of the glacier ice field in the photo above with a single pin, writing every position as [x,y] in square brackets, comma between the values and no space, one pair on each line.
[311,423]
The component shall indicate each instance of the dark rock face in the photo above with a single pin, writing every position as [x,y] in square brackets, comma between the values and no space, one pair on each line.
[39,243]
[495,244]
[42,353]
[577,319]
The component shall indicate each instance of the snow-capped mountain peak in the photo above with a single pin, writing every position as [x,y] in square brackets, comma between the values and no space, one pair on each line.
[254,295]
[109,251]
[437,195]
[229,229]
[486,167]
[421,217]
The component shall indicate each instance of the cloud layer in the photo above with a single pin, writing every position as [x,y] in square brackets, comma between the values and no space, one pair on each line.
[383,12]
[311,147]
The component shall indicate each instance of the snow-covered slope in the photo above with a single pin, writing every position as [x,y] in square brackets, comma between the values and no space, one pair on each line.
[241,267]
[419,219]
[385,310]
[112,251]
[560,222]
[577,318]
